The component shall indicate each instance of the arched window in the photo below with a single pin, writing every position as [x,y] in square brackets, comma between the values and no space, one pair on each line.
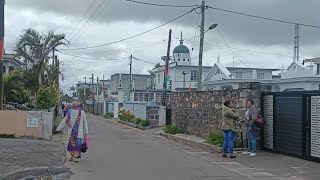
[11,68]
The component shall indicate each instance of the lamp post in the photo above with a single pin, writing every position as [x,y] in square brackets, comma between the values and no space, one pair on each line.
[202,31]
[184,80]
[2,2]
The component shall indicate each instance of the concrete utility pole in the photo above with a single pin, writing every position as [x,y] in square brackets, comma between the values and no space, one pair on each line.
[85,94]
[130,87]
[93,94]
[2,2]
[166,71]
[296,43]
[184,80]
[201,46]
[97,91]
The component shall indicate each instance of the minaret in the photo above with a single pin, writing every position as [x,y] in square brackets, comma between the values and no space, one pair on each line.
[181,39]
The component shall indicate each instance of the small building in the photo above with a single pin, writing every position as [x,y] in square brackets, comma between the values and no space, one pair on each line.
[120,85]
[11,63]
[296,77]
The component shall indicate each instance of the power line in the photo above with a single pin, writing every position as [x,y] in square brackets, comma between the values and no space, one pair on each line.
[111,59]
[195,36]
[162,5]
[227,42]
[145,32]
[143,60]
[137,48]
[88,20]
[265,18]
[85,14]
[95,18]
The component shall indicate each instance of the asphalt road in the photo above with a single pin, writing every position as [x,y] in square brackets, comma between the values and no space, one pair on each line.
[121,153]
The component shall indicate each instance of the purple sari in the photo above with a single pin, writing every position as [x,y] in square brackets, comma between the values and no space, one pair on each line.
[75,143]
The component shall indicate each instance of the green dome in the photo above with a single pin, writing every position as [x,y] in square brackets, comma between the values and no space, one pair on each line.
[181,49]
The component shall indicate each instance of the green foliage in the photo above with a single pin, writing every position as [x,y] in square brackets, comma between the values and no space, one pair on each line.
[126,116]
[216,139]
[172,130]
[14,90]
[46,98]
[144,123]
[108,115]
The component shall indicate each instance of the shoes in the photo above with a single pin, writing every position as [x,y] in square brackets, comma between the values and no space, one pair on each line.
[246,153]
[253,154]
[232,156]
[224,155]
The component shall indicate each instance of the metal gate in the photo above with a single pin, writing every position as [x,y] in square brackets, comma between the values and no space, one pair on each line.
[292,123]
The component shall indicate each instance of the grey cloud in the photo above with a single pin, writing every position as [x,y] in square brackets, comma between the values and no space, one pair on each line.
[237,28]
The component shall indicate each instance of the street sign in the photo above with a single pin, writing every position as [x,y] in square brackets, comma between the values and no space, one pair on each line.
[32,121]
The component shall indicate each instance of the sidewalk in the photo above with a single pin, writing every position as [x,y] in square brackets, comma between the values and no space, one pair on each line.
[33,159]
[275,164]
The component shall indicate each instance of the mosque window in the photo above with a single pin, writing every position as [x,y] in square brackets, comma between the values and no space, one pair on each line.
[184,59]
[178,59]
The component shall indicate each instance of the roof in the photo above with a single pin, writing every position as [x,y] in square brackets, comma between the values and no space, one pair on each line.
[181,49]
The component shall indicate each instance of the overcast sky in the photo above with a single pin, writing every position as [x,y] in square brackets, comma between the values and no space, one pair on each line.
[255,42]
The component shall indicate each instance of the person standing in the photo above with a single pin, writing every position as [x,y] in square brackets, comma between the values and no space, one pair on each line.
[251,115]
[77,123]
[230,116]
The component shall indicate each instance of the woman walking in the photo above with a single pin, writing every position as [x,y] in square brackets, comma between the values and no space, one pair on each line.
[230,116]
[77,123]
[251,116]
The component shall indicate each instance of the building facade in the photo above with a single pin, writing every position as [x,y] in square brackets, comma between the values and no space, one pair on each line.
[120,85]
[11,63]
[296,77]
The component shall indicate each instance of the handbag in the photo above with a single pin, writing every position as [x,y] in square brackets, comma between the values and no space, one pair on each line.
[84,147]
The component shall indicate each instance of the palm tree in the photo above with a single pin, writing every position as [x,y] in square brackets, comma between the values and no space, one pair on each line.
[35,48]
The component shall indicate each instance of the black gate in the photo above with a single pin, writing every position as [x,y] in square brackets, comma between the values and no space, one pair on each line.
[168,116]
[292,123]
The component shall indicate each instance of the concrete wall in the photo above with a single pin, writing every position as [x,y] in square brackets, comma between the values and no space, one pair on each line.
[199,113]
[15,122]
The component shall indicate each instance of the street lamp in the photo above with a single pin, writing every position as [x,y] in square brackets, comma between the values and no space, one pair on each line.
[202,32]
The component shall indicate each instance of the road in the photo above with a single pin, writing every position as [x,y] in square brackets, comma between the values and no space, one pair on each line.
[122,153]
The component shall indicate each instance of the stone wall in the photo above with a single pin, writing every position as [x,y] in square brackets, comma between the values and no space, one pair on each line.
[199,113]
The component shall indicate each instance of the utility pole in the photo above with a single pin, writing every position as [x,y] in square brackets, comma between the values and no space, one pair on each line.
[97,91]
[2,2]
[130,87]
[296,43]
[166,71]
[57,64]
[93,94]
[201,46]
[84,93]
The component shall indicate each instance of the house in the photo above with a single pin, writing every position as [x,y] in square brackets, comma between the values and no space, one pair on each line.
[182,74]
[120,85]
[11,63]
[296,77]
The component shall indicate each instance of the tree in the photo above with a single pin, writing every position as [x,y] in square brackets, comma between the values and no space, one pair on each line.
[35,48]
[14,90]
[157,65]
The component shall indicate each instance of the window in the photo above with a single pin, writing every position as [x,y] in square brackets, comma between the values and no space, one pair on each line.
[194,75]
[295,68]
[136,97]
[266,88]
[184,59]
[158,78]
[260,75]
[318,69]
[178,59]
[239,75]
[120,85]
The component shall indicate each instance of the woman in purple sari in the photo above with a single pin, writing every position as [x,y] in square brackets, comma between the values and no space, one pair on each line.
[77,123]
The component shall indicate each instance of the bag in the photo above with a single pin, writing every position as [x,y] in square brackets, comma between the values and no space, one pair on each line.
[87,141]
[259,122]
[84,148]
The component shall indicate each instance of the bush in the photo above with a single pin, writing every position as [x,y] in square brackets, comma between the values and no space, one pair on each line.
[108,115]
[216,139]
[172,130]
[138,120]
[126,116]
[46,98]
[145,123]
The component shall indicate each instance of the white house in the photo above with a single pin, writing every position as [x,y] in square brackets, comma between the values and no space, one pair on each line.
[11,63]
[296,77]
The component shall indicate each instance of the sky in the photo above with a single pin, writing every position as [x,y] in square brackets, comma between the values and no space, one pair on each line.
[242,41]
